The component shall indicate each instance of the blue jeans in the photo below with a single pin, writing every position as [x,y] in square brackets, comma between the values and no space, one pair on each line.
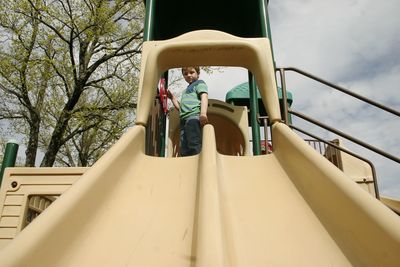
[190,136]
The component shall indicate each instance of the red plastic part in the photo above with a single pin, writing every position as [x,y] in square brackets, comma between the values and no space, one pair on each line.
[163,96]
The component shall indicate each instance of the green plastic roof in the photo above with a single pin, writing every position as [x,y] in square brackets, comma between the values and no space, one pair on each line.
[240,93]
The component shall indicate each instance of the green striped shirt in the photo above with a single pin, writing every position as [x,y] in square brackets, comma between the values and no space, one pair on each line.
[190,100]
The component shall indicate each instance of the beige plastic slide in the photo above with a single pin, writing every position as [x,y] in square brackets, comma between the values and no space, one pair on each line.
[288,208]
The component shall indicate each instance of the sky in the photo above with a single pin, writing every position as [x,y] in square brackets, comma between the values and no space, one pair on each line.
[351,43]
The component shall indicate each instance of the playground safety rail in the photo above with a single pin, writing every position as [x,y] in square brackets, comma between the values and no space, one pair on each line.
[374,179]
[287,111]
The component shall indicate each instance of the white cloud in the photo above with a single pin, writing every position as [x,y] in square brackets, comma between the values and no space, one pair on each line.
[331,38]
[354,44]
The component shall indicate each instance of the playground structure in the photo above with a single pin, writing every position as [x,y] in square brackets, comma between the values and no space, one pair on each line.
[222,207]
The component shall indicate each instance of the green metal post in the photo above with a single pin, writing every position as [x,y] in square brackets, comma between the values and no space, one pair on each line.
[263,17]
[10,155]
[265,25]
[149,21]
[255,127]
[148,36]
[270,38]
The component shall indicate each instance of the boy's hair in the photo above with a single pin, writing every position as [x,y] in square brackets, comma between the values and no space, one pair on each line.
[197,69]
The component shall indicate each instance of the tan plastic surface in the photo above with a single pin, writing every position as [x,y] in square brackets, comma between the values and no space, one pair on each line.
[230,124]
[289,208]
[21,183]
[357,170]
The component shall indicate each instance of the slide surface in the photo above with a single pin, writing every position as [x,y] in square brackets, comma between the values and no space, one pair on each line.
[288,208]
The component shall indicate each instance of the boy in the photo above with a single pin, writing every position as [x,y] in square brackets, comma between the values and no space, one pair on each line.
[192,111]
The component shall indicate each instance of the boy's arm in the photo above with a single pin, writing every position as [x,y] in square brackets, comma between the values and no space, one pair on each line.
[203,109]
[173,99]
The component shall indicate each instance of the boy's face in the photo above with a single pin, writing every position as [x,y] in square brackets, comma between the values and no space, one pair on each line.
[190,75]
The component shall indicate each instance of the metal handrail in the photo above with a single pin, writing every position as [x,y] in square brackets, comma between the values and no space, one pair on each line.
[346,151]
[374,178]
[339,88]
[362,98]
[355,140]
[286,112]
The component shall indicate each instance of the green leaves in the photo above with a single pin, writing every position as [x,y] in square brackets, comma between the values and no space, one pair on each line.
[68,70]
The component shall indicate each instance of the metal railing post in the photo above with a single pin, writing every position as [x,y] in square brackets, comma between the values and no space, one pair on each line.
[284,96]
[255,126]
[148,34]
[329,143]
[10,156]
[265,25]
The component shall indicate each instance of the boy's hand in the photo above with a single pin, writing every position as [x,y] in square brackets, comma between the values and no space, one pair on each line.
[203,119]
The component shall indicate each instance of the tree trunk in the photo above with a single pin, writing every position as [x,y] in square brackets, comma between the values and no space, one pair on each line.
[31,150]
[56,140]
